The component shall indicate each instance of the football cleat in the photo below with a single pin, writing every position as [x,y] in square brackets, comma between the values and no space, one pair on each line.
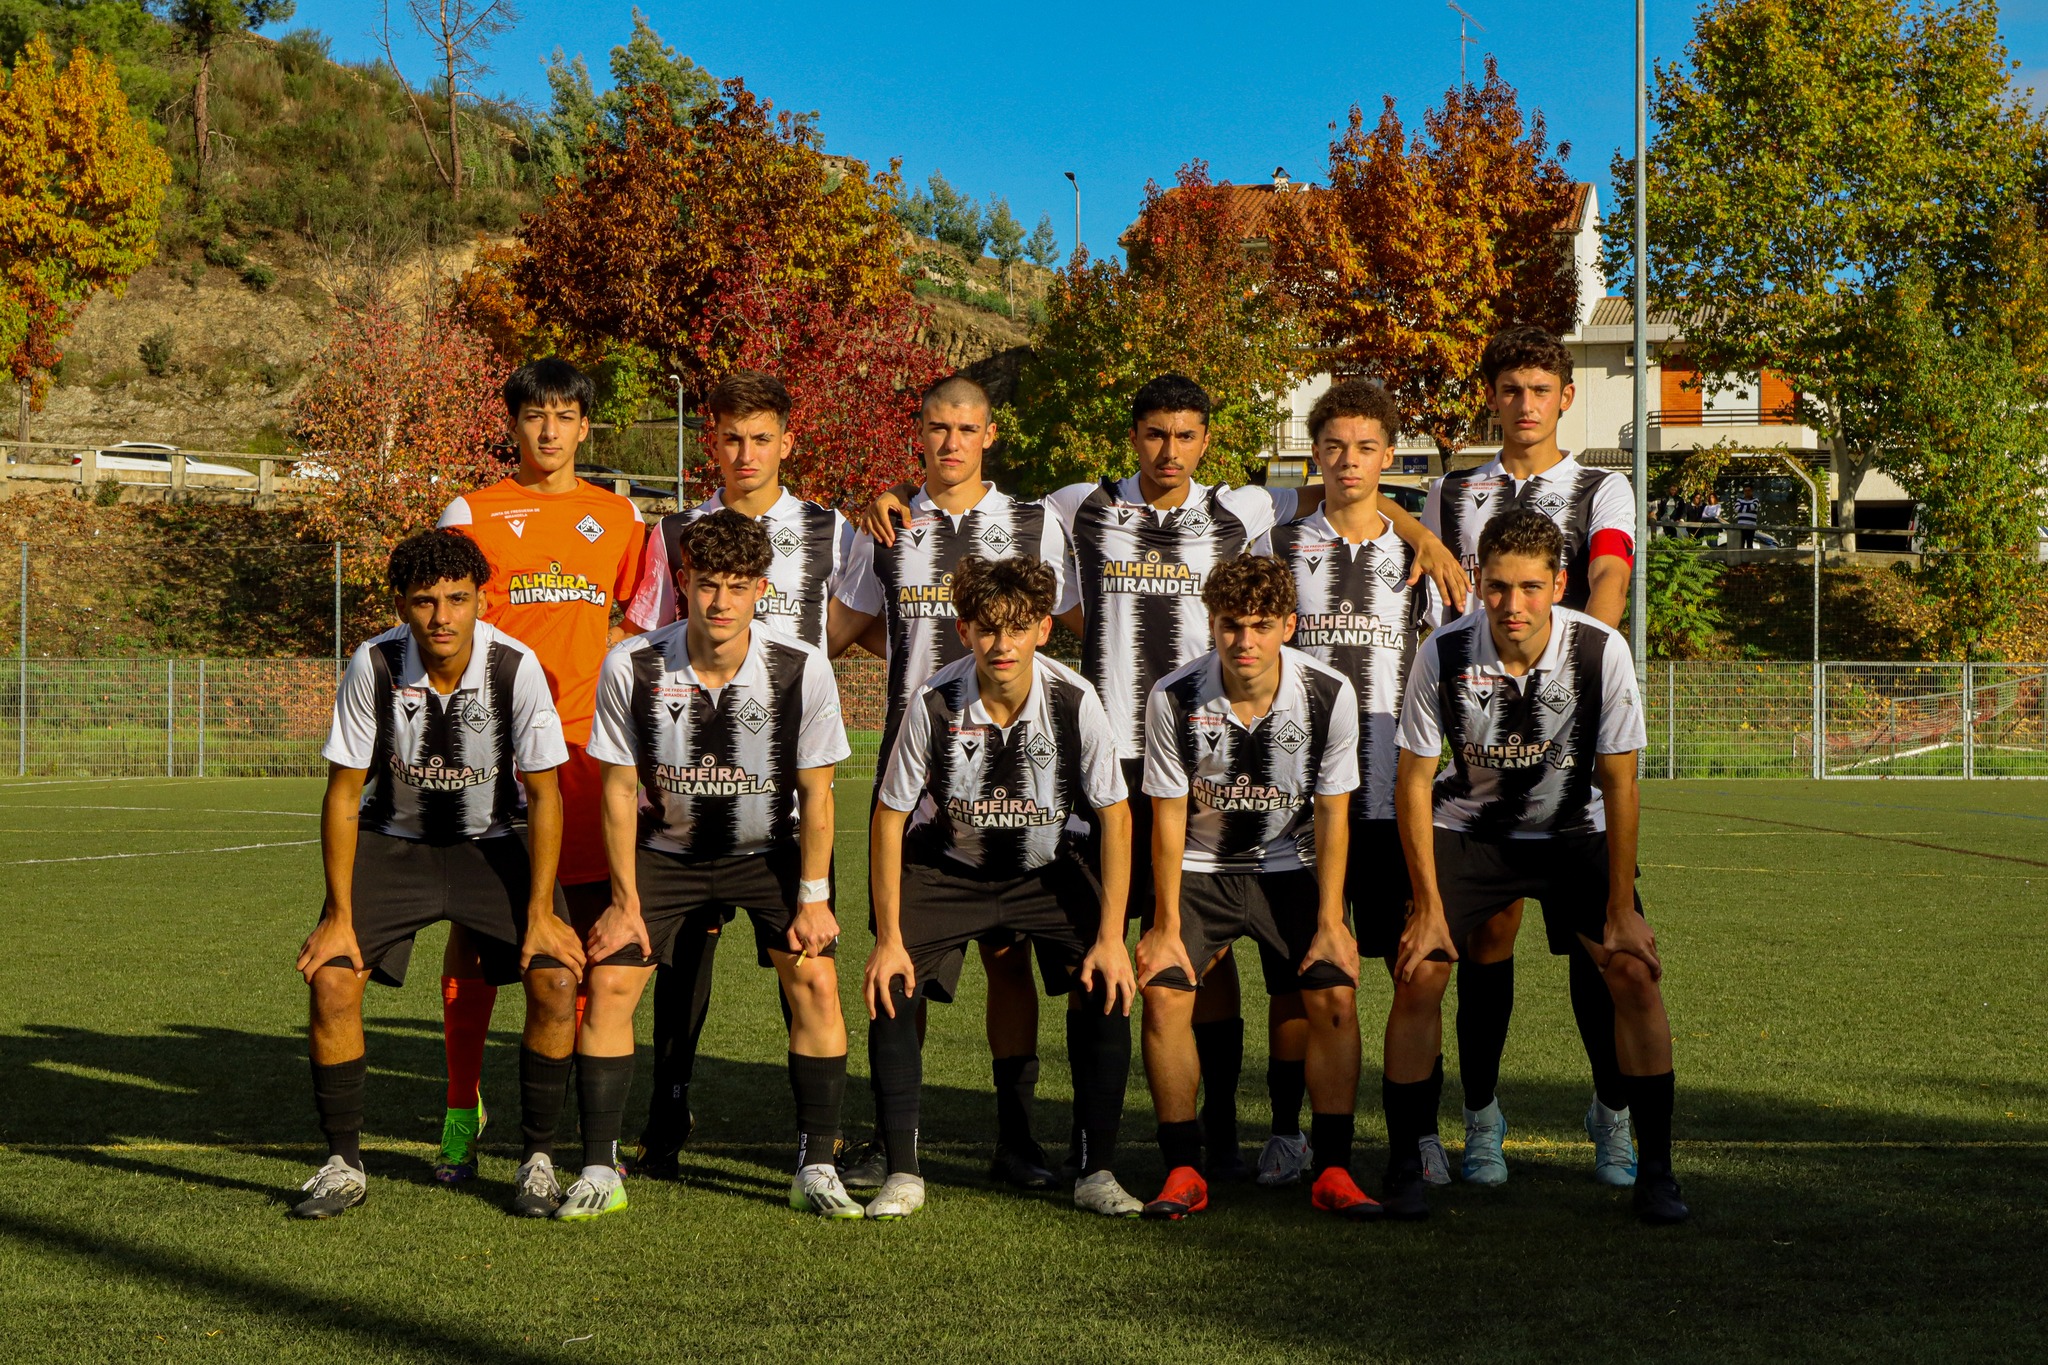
[1185,1192]
[1436,1167]
[462,1130]
[1658,1200]
[1284,1160]
[588,1199]
[817,1189]
[1023,1169]
[1100,1193]
[901,1195]
[334,1189]
[1485,1131]
[1614,1145]
[1403,1195]
[862,1165]
[536,1193]
[1336,1192]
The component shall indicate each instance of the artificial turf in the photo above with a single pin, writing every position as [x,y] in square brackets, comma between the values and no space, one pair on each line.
[1855,977]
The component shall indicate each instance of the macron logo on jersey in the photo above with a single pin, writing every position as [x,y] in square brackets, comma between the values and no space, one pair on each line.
[518,525]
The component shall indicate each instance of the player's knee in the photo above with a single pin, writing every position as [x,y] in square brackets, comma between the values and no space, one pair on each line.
[1422,993]
[552,991]
[1331,1008]
[1630,981]
[336,994]
[1494,940]
[1282,1009]
[1165,1005]
[813,995]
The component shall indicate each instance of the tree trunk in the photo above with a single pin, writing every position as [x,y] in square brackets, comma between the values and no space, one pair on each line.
[205,148]
[1849,470]
[454,147]
[21,428]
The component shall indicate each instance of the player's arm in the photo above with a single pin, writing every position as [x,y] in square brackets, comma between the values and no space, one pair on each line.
[814,929]
[621,924]
[1433,559]
[890,506]
[546,934]
[340,822]
[622,630]
[1333,942]
[1608,577]
[1160,946]
[1076,620]
[889,961]
[1107,959]
[845,627]
[1428,932]
[1627,931]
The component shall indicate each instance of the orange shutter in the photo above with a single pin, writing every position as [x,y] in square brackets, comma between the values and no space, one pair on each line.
[1679,395]
[1775,399]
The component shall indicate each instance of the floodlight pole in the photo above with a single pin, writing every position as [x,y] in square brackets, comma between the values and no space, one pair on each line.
[677,380]
[1639,596]
[1077,211]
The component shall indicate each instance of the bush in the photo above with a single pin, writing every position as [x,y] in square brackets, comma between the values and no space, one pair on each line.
[107,491]
[1682,587]
[258,276]
[226,255]
[155,353]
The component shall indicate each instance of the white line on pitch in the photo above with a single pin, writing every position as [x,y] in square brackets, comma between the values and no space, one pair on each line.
[161,853]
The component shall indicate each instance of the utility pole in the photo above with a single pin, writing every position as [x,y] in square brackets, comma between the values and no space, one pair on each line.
[1077,212]
[1639,597]
[1465,39]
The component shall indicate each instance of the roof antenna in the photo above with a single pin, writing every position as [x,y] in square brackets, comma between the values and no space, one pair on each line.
[1464,39]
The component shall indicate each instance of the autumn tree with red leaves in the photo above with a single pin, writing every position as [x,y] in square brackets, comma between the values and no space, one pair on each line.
[1422,248]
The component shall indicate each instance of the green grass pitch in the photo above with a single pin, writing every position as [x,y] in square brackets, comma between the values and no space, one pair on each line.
[1856,982]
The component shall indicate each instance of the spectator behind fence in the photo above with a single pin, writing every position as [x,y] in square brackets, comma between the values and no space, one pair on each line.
[1747,510]
[1710,519]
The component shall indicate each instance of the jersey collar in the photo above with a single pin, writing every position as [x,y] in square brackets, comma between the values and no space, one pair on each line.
[784,507]
[993,499]
[1290,699]
[753,670]
[473,676]
[1494,469]
[1486,659]
[1319,524]
[977,713]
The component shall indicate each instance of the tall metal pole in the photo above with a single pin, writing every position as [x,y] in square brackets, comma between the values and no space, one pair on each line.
[1639,598]
[21,698]
[337,609]
[1077,210]
[677,380]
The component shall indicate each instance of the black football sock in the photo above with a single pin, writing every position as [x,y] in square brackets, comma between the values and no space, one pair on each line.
[682,997]
[1180,1144]
[1330,1136]
[1593,1007]
[1486,998]
[1411,1116]
[1016,1085]
[1099,1053]
[896,1071]
[1650,1100]
[1219,1045]
[601,1086]
[819,1084]
[1286,1083]
[543,1090]
[338,1099]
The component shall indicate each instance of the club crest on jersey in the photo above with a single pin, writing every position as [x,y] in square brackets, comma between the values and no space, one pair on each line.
[474,715]
[997,539]
[1550,504]
[1388,571]
[1291,737]
[1195,522]
[589,528]
[1040,750]
[1555,695]
[753,715]
[785,540]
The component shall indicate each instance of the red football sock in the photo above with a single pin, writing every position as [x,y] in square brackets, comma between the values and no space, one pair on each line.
[466,1004]
[582,1000]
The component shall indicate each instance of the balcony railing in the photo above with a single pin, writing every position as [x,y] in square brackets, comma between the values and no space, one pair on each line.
[1724,417]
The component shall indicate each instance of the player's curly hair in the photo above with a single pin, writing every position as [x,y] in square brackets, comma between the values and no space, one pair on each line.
[1170,393]
[1003,594]
[1355,398]
[1248,587]
[743,393]
[727,542]
[1523,531]
[549,378]
[425,559]
[1524,348]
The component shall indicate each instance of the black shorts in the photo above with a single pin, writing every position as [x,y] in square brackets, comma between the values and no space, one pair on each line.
[1565,873]
[1376,886]
[710,925]
[1276,910]
[1058,908]
[675,891]
[403,885]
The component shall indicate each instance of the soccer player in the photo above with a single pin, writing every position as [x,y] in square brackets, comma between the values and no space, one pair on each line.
[1251,755]
[732,730]
[751,439]
[431,721]
[1528,375]
[997,753]
[1356,612]
[904,582]
[1537,705]
[562,554]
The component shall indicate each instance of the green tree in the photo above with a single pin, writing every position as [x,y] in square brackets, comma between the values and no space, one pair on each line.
[1005,236]
[944,214]
[208,26]
[577,113]
[1807,153]
[1043,250]
[1683,589]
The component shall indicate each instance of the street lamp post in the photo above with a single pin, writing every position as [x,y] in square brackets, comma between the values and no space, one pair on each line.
[677,380]
[1639,604]
[1077,211]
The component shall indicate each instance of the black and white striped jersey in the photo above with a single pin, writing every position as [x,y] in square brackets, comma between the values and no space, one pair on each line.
[910,584]
[1139,572]
[1583,502]
[1357,614]
[717,766]
[1748,511]
[1252,789]
[1522,749]
[811,545]
[1001,802]
[444,769]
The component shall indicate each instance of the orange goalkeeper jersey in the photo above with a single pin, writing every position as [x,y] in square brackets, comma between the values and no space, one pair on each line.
[558,563]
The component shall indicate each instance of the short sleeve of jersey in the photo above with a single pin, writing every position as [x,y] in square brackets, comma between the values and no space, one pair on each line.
[1260,509]
[1057,552]
[1261,545]
[654,601]
[1164,775]
[1339,771]
[859,588]
[1421,729]
[352,737]
[910,761]
[1621,705]
[537,742]
[456,513]
[821,741]
[626,588]
[1433,509]
[1065,503]
[1614,508]
[844,535]
[614,738]
[1102,772]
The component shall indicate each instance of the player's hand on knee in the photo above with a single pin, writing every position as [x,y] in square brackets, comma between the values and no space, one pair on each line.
[547,936]
[1428,933]
[1336,947]
[813,930]
[886,965]
[1110,966]
[1159,952]
[618,928]
[1631,934]
[331,938]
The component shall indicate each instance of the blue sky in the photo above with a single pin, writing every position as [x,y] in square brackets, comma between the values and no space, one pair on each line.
[1004,100]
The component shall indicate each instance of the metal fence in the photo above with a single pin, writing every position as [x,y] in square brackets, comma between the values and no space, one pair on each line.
[268,718]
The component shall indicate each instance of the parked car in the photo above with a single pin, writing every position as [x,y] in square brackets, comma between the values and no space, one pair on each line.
[153,457]
[604,474]
[1409,499]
